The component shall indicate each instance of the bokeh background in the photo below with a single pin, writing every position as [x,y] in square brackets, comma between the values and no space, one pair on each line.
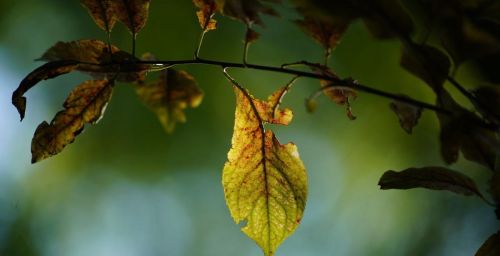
[127,188]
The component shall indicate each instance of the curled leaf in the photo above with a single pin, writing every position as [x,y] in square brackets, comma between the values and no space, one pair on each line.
[169,96]
[435,178]
[46,71]
[207,9]
[85,104]
[491,247]
[264,182]
[408,115]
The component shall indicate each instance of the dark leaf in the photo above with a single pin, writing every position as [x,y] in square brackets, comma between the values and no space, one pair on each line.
[170,95]
[85,104]
[495,190]
[435,178]
[326,32]
[491,247]
[132,13]
[102,13]
[95,59]
[408,115]
[489,101]
[247,11]
[386,18]
[46,71]
[251,36]
[427,63]
[463,131]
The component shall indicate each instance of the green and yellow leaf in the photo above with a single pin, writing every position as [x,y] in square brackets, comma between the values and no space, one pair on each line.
[265,183]
[170,96]
[85,104]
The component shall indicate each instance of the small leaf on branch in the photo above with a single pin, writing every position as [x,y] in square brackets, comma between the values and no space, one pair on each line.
[85,104]
[102,13]
[46,71]
[247,11]
[427,63]
[265,183]
[169,96]
[491,247]
[326,32]
[132,13]
[408,115]
[251,36]
[435,178]
[207,9]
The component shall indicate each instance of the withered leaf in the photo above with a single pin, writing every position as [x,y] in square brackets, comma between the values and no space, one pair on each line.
[94,58]
[491,247]
[408,115]
[433,177]
[326,32]
[205,13]
[102,13]
[46,71]
[170,95]
[85,104]
[427,63]
[265,183]
[247,11]
[132,13]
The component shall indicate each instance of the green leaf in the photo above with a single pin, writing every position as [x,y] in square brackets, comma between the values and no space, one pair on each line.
[435,178]
[169,96]
[265,183]
[85,104]
[408,115]
[46,71]
[491,247]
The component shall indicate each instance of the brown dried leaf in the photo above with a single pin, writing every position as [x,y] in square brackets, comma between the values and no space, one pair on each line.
[170,95]
[247,11]
[207,9]
[102,13]
[433,177]
[251,36]
[46,71]
[408,115]
[491,247]
[427,63]
[132,13]
[326,32]
[85,104]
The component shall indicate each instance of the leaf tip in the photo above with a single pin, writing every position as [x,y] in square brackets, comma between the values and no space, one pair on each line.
[20,104]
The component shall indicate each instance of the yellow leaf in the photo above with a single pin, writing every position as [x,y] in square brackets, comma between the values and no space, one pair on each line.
[170,95]
[85,104]
[265,183]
